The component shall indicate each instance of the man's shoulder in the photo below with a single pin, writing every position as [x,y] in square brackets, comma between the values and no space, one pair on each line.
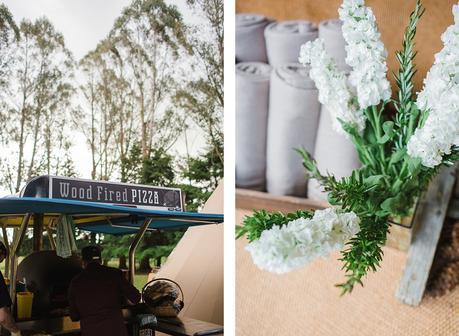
[111,270]
[91,274]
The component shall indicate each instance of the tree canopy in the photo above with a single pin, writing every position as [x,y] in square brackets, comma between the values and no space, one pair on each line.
[131,98]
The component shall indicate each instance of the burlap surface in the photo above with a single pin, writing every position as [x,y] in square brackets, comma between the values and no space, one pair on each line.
[392,16]
[305,302]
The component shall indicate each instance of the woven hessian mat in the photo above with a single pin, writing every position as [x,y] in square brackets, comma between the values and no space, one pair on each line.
[392,16]
[305,302]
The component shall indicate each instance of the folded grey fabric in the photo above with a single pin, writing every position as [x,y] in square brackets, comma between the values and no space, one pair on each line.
[250,38]
[252,99]
[330,31]
[284,40]
[334,154]
[293,118]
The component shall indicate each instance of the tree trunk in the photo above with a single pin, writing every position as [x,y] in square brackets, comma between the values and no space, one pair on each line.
[144,266]
[93,138]
[21,150]
[22,127]
[35,143]
[122,262]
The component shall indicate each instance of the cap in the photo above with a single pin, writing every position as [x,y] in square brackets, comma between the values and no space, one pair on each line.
[91,253]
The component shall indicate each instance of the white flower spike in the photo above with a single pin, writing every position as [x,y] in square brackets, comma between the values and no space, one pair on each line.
[366,53]
[283,249]
[440,97]
[332,85]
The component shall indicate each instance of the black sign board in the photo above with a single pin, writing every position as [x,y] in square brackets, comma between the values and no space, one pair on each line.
[142,196]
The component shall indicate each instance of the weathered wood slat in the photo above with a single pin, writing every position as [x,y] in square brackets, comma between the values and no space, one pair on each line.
[428,224]
[255,200]
[453,210]
[456,186]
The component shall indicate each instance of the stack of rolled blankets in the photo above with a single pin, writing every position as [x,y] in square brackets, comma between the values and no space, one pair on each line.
[277,108]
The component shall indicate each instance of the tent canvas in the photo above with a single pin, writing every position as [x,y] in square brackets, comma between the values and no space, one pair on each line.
[196,264]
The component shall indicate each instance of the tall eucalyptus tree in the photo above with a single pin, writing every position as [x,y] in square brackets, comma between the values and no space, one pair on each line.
[9,35]
[149,36]
[202,95]
[39,93]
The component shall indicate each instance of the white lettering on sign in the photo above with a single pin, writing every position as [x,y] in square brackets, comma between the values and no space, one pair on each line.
[150,197]
[145,196]
[134,195]
[74,192]
[116,193]
[64,189]
[99,192]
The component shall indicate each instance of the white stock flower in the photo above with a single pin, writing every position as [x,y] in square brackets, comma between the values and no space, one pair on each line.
[285,248]
[366,53]
[332,85]
[440,97]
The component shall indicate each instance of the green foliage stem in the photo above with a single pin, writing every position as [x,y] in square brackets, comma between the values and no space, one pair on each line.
[263,220]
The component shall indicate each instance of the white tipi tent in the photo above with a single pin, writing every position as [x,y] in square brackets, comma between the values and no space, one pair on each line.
[197,265]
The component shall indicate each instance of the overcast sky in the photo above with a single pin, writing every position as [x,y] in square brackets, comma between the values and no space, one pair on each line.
[84,23]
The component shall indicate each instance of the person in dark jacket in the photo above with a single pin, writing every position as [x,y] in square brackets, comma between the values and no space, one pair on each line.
[6,319]
[97,294]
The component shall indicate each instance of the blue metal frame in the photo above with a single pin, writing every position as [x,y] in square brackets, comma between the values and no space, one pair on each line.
[134,219]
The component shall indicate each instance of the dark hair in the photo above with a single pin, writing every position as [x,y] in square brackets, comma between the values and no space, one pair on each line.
[91,253]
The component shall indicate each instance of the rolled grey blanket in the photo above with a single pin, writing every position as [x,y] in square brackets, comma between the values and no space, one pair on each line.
[284,40]
[293,118]
[333,152]
[250,38]
[252,99]
[330,32]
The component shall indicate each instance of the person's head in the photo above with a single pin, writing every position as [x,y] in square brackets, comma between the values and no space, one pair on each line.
[3,252]
[90,254]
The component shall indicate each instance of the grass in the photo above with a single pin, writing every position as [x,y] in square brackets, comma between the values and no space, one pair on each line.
[140,280]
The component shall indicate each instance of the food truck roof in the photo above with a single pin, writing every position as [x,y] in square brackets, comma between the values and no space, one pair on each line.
[100,217]
[101,206]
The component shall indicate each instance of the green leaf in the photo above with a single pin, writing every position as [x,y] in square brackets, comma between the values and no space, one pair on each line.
[382,213]
[370,135]
[384,139]
[389,205]
[373,180]
[396,186]
[414,165]
[240,231]
[388,128]
[397,156]
[332,200]
[395,205]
